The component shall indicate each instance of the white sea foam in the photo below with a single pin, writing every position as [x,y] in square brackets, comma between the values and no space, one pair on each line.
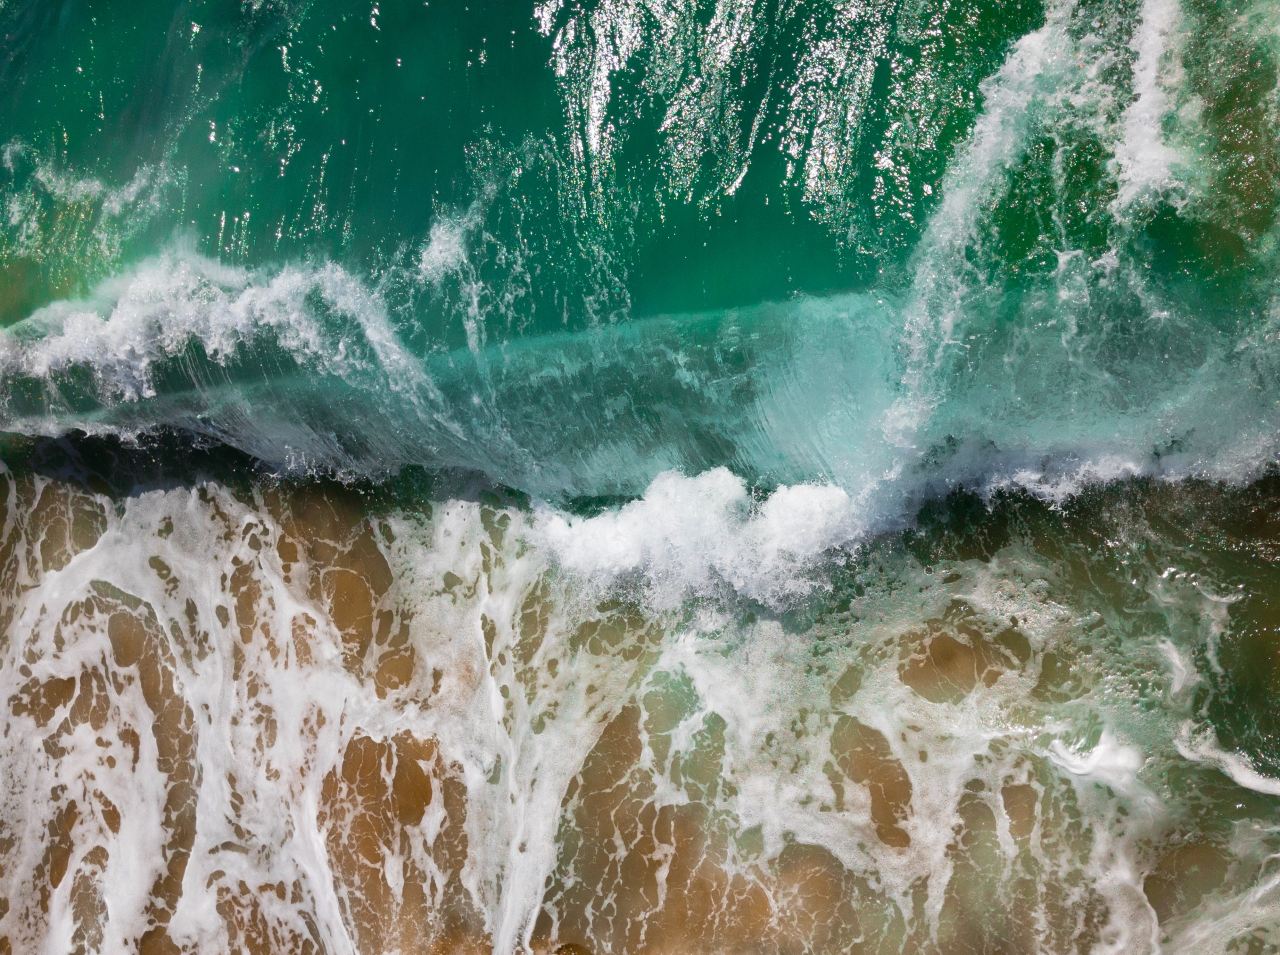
[1148,163]
[1034,70]
[688,534]
[519,673]
[1111,762]
[1058,484]
[44,198]
[1200,745]
[445,251]
[446,248]
[1181,672]
[153,313]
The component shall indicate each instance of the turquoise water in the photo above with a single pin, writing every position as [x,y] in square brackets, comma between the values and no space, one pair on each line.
[639,475]
[573,248]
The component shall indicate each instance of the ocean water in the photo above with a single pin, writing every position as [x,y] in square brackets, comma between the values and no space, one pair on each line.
[640,476]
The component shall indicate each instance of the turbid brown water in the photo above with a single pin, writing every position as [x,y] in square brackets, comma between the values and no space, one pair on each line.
[296,720]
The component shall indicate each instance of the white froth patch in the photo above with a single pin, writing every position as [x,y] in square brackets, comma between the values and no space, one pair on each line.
[1182,673]
[1146,161]
[1203,747]
[446,249]
[1035,73]
[131,323]
[689,534]
[1057,487]
[1112,762]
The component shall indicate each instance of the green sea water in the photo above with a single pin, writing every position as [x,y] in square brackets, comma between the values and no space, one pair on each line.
[639,475]
[570,248]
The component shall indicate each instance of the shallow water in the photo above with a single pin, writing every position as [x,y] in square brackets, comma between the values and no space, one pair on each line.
[294,716]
